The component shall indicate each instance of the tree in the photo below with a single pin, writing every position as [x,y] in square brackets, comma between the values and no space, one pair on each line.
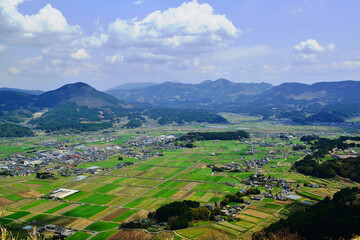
[201,213]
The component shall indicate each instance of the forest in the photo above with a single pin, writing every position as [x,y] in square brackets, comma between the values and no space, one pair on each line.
[199,136]
[311,165]
[337,218]
[14,130]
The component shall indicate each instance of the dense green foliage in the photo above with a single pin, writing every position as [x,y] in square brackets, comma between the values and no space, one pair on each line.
[309,138]
[16,116]
[179,116]
[338,218]
[198,136]
[308,166]
[238,197]
[44,175]
[13,130]
[133,123]
[349,168]
[176,209]
[67,116]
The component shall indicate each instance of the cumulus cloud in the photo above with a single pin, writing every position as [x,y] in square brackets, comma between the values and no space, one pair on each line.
[81,54]
[25,64]
[186,24]
[118,57]
[307,52]
[309,46]
[33,60]
[48,19]
[138,2]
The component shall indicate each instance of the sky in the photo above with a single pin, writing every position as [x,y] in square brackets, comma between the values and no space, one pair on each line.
[46,44]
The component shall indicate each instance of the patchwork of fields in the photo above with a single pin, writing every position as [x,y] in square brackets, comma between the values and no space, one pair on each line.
[107,199]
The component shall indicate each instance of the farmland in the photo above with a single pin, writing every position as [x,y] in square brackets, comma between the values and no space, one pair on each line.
[112,195]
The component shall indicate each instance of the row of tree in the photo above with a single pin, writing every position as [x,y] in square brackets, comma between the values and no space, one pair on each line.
[199,136]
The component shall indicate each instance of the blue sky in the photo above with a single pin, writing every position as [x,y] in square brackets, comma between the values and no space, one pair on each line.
[46,44]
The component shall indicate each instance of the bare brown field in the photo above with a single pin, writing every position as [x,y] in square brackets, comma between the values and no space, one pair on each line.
[131,235]
[190,186]
[255,213]
[79,224]
[5,201]
[115,214]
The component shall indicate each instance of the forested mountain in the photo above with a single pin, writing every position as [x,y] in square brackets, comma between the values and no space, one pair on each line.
[32,92]
[209,94]
[302,103]
[319,102]
[80,106]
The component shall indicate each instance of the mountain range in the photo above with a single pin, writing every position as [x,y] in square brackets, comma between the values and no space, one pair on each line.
[82,107]
[334,101]
[205,94]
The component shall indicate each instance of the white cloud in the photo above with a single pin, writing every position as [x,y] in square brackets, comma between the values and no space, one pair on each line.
[139,2]
[3,48]
[269,69]
[347,65]
[14,70]
[81,54]
[306,58]
[118,57]
[186,24]
[207,69]
[331,46]
[309,46]
[33,60]
[307,52]
[48,19]
[196,62]
[96,40]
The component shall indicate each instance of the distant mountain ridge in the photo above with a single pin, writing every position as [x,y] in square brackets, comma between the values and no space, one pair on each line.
[135,85]
[32,92]
[207,93]
[334,100]
[322,101]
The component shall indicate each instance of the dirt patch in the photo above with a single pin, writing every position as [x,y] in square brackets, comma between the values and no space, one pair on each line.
[142,214]
[79,224]
[188,194]
[5,201]
[131,235]
[190,186]
[165,235]
[140,174]
[115,214]
[255,213]
[29,194]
